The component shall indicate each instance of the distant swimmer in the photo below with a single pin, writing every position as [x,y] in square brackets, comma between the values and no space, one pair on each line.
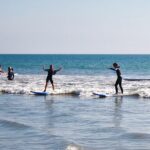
[116,68]
[50,74]
[1,70]
[10,73]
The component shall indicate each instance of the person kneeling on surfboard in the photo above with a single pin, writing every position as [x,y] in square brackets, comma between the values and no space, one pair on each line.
[51,72]
[119,78]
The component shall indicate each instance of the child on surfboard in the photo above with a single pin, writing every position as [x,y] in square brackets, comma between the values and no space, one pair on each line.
[116,68]
[50,74]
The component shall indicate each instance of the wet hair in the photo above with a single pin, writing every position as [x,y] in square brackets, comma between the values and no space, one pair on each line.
[51,67]
[116,65]
[10,69]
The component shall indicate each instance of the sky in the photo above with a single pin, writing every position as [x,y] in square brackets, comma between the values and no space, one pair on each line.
[75,26]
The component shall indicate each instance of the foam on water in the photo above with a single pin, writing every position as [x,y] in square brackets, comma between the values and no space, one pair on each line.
[73,84]
[73,147]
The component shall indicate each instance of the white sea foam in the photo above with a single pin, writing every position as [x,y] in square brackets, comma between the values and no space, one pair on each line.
[69,84]
[73,147]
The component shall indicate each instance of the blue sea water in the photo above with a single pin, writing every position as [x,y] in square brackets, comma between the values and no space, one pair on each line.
[65,120]
[132,65]
[71,123]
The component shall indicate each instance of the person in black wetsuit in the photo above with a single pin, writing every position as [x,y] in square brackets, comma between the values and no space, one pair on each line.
[51,72]
[10,73]
[119,78]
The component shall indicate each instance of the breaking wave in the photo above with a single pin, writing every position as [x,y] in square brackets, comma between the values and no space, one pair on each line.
[83,85]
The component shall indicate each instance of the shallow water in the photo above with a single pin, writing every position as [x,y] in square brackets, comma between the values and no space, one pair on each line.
[84,73]
[74,123]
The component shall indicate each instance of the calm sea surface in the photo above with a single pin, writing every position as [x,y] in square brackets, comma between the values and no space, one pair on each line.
[132,65]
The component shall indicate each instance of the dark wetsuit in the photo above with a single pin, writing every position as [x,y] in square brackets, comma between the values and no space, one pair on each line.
[50,75]
[119,80]
[10,75]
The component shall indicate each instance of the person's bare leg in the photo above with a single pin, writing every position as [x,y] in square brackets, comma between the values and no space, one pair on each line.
[53,86]
[45,86]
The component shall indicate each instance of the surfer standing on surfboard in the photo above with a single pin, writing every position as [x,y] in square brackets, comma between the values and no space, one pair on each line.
[50,74]
[116,68]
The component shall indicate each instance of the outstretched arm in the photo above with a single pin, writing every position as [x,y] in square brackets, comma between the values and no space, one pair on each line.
[58,69]
[44,68]
[112,69]
[55,71]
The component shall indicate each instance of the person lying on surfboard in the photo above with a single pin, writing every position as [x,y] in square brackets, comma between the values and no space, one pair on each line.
[116,68]
[50,74]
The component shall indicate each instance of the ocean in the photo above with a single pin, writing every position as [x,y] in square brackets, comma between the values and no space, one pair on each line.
[71,117]
[84,73]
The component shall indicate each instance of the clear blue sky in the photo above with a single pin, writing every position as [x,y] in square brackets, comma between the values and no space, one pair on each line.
[75,26]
